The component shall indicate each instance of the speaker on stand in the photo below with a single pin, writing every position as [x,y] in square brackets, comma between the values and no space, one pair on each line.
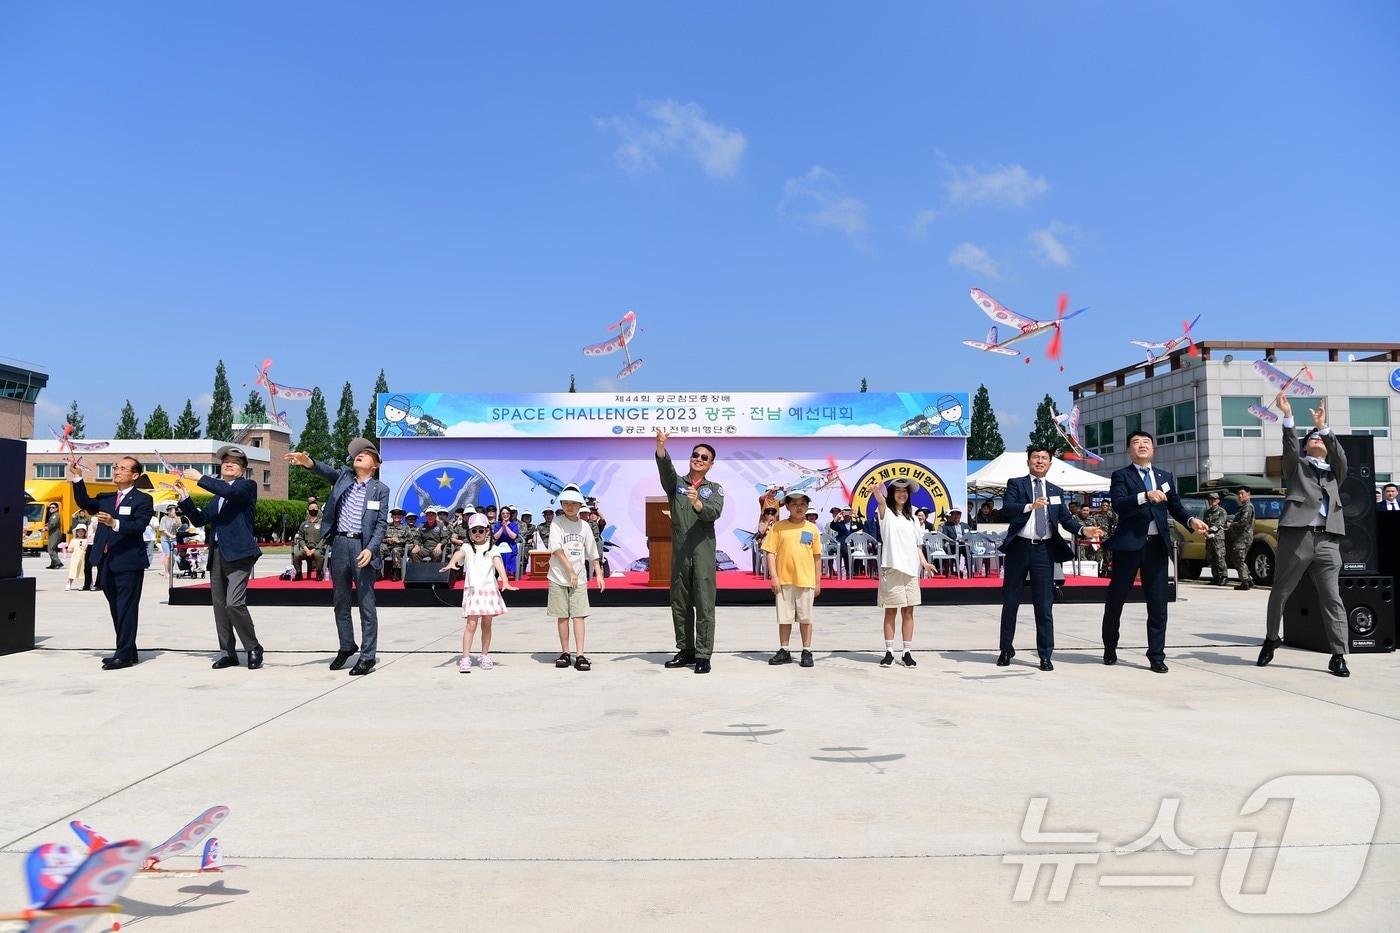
[16,591]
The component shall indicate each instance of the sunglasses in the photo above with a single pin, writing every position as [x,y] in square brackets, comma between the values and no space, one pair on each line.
[478,531]
[702,457]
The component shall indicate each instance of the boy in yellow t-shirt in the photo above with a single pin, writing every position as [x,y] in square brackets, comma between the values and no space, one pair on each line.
[793,549]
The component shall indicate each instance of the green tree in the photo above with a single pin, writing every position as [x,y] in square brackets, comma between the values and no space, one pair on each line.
[158,426]
[187,425]
[75,418]
[1043,434]
[219,424]
[254,411]
[985,442]
[128,428]
[316,441]
[572,387]
[864,386]
[347,425]
[372,412]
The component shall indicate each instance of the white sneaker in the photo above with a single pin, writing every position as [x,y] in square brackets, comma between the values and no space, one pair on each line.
[464,664]
[485,662]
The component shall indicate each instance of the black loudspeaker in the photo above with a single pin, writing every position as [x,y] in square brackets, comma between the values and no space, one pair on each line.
[419,575]
[1388,544]
[11,507]
[16,614]
[1370,605]
[1359,504]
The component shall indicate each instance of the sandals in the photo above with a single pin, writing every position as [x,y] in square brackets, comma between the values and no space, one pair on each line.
[563,661]
[581,664]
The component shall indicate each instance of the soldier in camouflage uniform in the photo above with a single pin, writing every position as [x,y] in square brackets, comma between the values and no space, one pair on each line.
[542,529]
[391,548]
[1239,535]
[1215,518]
[1104,519]
[525,544]
[432,542]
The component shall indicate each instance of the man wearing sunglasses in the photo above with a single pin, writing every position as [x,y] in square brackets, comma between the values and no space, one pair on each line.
[696,503]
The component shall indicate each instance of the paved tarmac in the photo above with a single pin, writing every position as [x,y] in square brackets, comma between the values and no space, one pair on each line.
[631,797]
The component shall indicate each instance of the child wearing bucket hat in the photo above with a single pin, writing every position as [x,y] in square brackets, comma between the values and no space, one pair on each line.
[572,544]
[793,549]
[481,600]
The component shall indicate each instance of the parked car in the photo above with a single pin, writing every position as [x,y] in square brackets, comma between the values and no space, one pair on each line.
[1262,556]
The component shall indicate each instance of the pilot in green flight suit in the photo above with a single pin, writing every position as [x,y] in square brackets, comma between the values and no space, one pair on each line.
[696,503]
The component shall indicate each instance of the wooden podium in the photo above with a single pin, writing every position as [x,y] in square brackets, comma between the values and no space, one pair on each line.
[658,541]
[539,565]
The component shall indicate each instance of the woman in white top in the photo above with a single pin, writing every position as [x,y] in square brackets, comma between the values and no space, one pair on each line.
[481,601]
[901,559]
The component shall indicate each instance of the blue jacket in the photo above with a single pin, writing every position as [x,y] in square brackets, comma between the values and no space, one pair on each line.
[227,526]
[376,508]
[1019,494]
[1133,518]
[125,548]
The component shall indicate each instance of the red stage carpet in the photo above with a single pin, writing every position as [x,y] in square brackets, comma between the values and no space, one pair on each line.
[735,588]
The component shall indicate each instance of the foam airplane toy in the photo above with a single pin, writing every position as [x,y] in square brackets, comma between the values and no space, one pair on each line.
[1284,383]
[66,444]
[1067,426]
[68,890]
[183,841]
[1169,345]
[1025,327]
[627,329]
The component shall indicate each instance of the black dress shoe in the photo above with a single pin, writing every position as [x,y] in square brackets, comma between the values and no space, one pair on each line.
[1159,667]
[109,659]
[118,664]
[1338,666]
[1045,665]
[1110,656]
[682,659]
[255,657]
[1004,659]
[1244,586]
[1266,653]
[225,661]
[342,656]
[702,665]
[362,667]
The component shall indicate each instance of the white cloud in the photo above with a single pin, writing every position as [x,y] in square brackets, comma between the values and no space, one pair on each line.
[46,409]
[202,404]
[855,430]
[673,127]
[975,258]
[999,184]
[818,200]
[1008,418]
[1049,244]
[922,219]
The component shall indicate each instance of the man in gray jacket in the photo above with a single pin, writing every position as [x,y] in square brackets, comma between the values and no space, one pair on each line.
[1310,532]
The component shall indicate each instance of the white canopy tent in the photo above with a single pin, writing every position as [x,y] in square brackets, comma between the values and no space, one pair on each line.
[995,475]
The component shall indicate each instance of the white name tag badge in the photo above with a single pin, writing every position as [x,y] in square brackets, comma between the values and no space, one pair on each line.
[1166,487]
[124,510]
[372,504]
[1054,500]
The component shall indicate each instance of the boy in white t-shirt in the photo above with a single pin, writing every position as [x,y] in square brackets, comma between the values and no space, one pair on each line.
[572,545]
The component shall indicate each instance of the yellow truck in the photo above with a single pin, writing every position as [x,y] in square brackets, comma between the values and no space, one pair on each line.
[41,492]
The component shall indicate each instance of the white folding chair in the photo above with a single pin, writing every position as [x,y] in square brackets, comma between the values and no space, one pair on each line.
[861,548]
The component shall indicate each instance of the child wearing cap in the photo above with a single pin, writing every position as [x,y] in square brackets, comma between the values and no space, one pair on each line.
[77,556]
[793,549]
[572,544]
[481,601]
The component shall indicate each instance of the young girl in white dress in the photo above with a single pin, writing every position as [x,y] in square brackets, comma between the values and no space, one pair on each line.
[481,600]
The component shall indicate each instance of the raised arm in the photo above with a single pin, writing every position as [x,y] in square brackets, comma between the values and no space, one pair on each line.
[664,467]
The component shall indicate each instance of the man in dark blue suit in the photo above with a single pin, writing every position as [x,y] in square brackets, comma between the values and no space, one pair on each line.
[356,514]
[1146,499]
[233,551]
[1033,544]
[120,545]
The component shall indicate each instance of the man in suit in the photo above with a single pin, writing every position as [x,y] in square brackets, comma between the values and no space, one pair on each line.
[1390,499]
[1145,499]
[1033,544]
[956,534]
[233,551]
[1310,532]
[356,514]
[120,545]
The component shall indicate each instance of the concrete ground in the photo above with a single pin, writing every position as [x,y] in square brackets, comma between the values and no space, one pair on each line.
[635,798]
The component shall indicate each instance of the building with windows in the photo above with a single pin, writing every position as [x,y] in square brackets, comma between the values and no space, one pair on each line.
[265,444]
[19,391]
[1197,408]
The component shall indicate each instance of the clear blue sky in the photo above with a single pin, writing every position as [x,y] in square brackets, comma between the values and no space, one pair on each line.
[791,196]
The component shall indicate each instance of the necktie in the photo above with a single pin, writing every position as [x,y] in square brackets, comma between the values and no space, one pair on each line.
[1042,521]
[1147,478]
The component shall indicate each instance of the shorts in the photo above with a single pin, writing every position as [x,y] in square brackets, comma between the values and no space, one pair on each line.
[898,589]
[795,605]
[567,602]
[483,601]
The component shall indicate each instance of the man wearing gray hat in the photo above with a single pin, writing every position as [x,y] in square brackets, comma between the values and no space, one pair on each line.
[356,515]
[233,551]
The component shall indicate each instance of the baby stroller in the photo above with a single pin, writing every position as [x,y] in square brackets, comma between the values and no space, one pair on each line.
[189,554]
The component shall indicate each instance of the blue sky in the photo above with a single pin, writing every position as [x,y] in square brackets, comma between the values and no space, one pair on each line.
[791,196]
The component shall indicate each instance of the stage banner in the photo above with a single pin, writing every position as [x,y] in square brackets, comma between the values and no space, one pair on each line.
[620,472]
[731,414]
